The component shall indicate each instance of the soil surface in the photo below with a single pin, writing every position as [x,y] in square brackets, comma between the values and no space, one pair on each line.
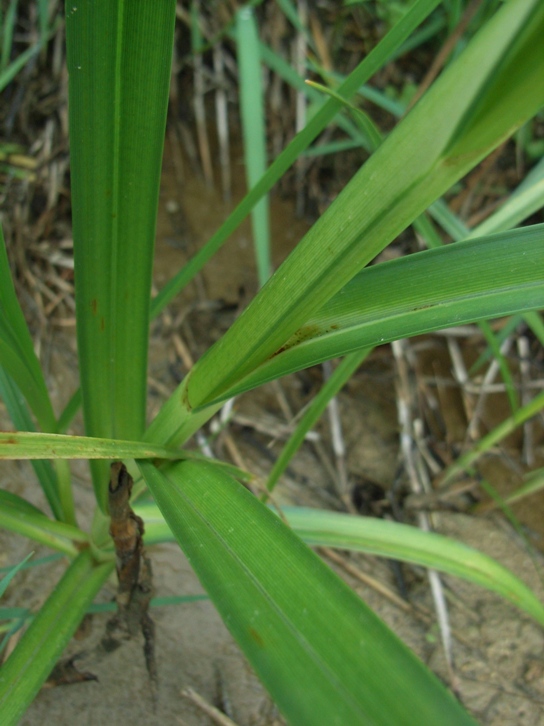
[498,666]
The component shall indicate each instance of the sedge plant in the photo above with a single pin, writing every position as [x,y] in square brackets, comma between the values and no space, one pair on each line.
[324,656]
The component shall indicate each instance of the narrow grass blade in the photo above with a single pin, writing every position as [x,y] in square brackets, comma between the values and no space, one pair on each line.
[495,348]
[287,73]
[69,411]
[17,515]
[119,58]
[31,445]
[16,348]
[9,73]
[536,324]
[319,403]
[38,562]
[410,544]
[254,135]
[7,18]
[527,199]
[524,413]
[296,621]
[321,528]
[534,483]
[508,328]
[365,70]
[31,662]
[19,414]
[367,127]
[8,577]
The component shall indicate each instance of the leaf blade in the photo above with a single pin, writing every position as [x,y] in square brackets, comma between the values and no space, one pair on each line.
[295,620]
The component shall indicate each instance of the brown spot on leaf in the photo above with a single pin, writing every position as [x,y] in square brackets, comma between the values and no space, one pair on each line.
[185,399]
[256,637]
[94,306]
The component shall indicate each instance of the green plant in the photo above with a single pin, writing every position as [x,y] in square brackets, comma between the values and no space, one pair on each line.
[276,595]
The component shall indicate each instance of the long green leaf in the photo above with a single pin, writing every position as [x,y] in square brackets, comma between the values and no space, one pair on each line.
[320,528]
[296,621]
[119,56]
[16,348]
[19,414]
[423,156]
[410,544]
[31,662]
[429,290]
[254,134]
[365,70]
[30,445]
[527,199]
[17,515]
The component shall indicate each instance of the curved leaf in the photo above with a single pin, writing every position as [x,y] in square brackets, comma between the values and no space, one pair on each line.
[410,544]
[451,285]
[18,515]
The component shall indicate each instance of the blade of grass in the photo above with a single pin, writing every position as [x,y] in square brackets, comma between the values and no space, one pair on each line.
[363,121]
[320,528]
[18,515]
[8,25]
[507,329]
[70,410]
[8,577]
[253,130]
[28,666]
[39,562]
[524,201]
[319,403]
[365,70]
[535,323]
[119,58]
[494,345]
[16,348]
[260,577]
[19,414]
[31,445]
[524,413]
[534,482]
[411,544]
